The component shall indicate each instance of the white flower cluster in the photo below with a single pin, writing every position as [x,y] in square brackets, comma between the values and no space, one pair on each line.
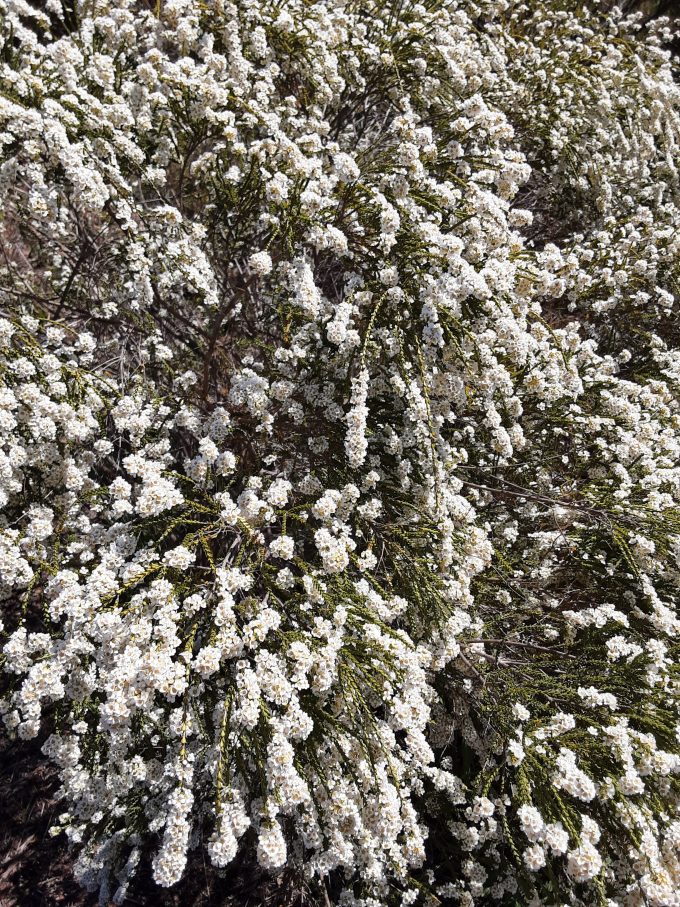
[340,450]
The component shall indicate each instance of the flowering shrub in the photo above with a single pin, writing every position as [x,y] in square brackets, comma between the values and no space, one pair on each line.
[340,464]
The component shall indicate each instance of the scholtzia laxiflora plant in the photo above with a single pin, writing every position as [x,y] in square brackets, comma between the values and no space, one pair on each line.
[340,453]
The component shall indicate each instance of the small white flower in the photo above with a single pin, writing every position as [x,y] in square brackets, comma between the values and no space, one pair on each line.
[261,263]
[282,547]
[180,558]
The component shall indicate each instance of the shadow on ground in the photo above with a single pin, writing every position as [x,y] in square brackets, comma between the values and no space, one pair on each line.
[36,868]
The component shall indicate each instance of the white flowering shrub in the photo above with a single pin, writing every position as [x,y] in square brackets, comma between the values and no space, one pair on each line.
[340,462]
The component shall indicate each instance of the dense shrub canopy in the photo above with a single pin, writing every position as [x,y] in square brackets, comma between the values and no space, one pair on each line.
[340,454]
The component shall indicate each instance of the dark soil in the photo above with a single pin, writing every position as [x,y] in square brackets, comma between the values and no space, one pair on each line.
[34,867]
